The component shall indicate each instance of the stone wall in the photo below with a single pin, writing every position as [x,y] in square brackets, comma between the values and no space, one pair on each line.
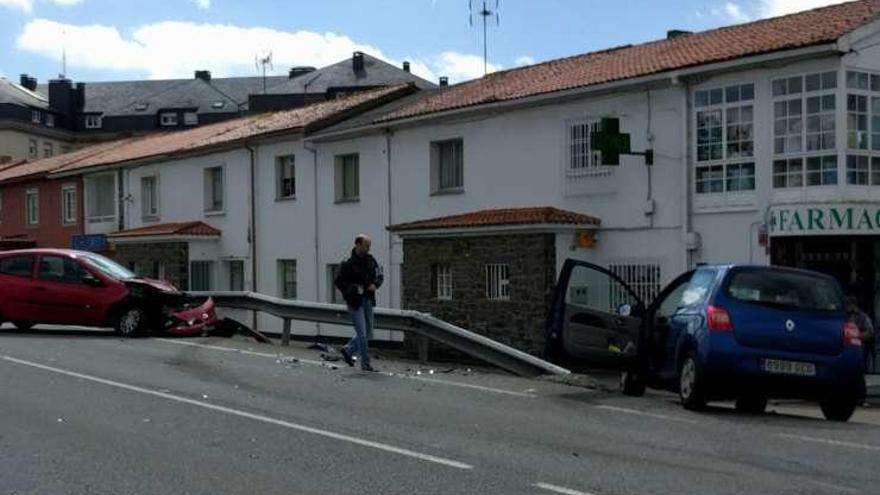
[518,322]
[173,255]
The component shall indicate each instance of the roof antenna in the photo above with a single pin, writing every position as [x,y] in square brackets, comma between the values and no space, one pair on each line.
[485,14]
[261,63]
[63,74]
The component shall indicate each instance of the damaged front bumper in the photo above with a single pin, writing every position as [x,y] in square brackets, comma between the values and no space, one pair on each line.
[193,320]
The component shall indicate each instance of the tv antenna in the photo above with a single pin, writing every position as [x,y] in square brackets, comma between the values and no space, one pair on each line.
[485,14]
[63,74]
[261,63]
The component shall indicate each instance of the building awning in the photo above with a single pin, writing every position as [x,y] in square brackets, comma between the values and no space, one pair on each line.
[499,220]
[167,232]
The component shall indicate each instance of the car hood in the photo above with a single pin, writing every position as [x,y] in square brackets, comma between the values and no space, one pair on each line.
[158,285]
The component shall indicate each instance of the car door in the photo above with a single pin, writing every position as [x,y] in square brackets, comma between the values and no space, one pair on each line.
[16,285]
[63,288]
[596,317]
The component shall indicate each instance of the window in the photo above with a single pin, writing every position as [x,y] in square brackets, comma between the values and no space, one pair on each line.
[581,158]
[48,149]
[334,296]
[447,164]
[190,118]
[33,148]
[214,189]
[35,116]
[235,269]
[140,107]
[68,204]
[643,279]
[862,170]
[287,279]
[347,178]
[50,120]
[32,207]
[17,266]
[101,198]
[168,119]
[822,170]
[201,275]
[804,113]
[94,122]
[218,104]
[725,139]
[498,282]
[286,174]
[150,197]
[62,270]
[788,173]
[442,277]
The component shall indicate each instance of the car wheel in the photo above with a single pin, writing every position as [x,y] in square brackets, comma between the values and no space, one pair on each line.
[131,322]
[632,384]
[751,404]
[690,384]
[24,326]
[838,408]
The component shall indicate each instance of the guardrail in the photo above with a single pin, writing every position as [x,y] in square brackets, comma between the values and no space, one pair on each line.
[470,343]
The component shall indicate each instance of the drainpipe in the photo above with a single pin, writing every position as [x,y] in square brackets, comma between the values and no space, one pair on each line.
[648,168]
[388,135]
[314,152]
[686,204]
[252,231]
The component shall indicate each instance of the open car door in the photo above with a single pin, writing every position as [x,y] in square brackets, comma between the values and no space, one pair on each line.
[596,318]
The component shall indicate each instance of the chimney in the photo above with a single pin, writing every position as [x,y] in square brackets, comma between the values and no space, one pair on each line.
[406,66]
[28,82]
[299,71]
[357,61]
[677,33]
[80,96]
[444,81]
[204,75]
[62,99]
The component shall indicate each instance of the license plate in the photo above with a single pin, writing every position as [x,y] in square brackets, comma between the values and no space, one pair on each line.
[780,367]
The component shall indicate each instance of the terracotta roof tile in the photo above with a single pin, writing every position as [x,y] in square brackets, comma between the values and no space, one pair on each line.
[166,144]
[813,27]
[168,229]
[500,217]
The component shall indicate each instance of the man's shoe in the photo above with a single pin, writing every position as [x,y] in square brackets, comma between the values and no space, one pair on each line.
[368,368]
[346,356]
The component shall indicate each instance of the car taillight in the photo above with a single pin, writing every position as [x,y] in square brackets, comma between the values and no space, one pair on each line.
[719,319]
[851,335]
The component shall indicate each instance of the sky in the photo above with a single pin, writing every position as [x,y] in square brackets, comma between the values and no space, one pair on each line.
[107,40]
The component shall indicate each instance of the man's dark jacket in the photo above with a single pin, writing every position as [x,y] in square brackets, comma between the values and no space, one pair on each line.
[355,275]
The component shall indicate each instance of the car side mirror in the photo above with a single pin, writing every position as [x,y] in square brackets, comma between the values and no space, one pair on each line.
[624,310]
[92,281]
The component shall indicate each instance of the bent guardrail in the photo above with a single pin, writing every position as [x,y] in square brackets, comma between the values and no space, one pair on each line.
[470,343]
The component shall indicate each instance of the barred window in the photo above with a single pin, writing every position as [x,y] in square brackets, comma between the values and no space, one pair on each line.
[442,277]
[643,279]
[582,159]
[201,276]
[287,279]
[498,282]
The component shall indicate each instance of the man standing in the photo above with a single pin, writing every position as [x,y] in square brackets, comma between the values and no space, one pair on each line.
[866,329]
[358,278]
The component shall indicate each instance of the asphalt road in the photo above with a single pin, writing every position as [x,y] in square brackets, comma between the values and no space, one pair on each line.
[89,413]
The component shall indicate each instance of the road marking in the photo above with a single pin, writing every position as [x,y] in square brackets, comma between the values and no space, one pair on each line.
[244,414]
[322,363]
[835,487]
[559,489]
[827,441]
[625,410]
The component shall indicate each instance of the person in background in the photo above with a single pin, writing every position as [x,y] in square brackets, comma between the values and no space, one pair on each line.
[358,279]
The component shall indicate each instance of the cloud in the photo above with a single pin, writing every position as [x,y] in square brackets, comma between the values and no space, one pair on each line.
[203,4]
[524,60]
[174,49]
[28,5]
[735,13]
[771,8]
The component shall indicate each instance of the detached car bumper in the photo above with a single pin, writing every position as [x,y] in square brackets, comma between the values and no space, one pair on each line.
[192,321]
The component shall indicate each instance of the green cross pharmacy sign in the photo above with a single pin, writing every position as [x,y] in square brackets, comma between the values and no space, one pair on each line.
[824,219]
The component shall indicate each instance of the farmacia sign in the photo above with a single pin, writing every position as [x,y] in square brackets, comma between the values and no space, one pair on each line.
[831,219]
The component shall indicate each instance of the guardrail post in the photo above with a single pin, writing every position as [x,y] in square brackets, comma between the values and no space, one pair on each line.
[285,333]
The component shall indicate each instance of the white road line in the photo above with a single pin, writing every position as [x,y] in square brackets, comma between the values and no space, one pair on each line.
[827,441]
[243,414]
[839,488]
[481,388]
[625,410]
[559,489]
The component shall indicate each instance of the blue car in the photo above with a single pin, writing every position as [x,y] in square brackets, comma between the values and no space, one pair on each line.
[720,332]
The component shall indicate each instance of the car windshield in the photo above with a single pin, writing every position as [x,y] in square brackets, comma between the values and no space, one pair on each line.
[786,290]
[108,267]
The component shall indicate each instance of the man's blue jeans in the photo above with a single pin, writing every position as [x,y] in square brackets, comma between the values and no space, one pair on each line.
[362,319]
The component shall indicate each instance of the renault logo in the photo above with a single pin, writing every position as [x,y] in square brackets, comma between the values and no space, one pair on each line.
[789,326]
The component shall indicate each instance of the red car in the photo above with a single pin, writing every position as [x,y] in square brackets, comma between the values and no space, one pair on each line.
[67,287]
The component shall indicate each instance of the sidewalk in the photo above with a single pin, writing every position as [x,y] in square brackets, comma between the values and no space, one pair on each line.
[872,383]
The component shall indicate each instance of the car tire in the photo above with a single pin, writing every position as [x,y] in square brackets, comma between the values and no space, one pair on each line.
[691,388]
[23,326]
[838,408]
[131,322]
[751,404]
[632,384]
